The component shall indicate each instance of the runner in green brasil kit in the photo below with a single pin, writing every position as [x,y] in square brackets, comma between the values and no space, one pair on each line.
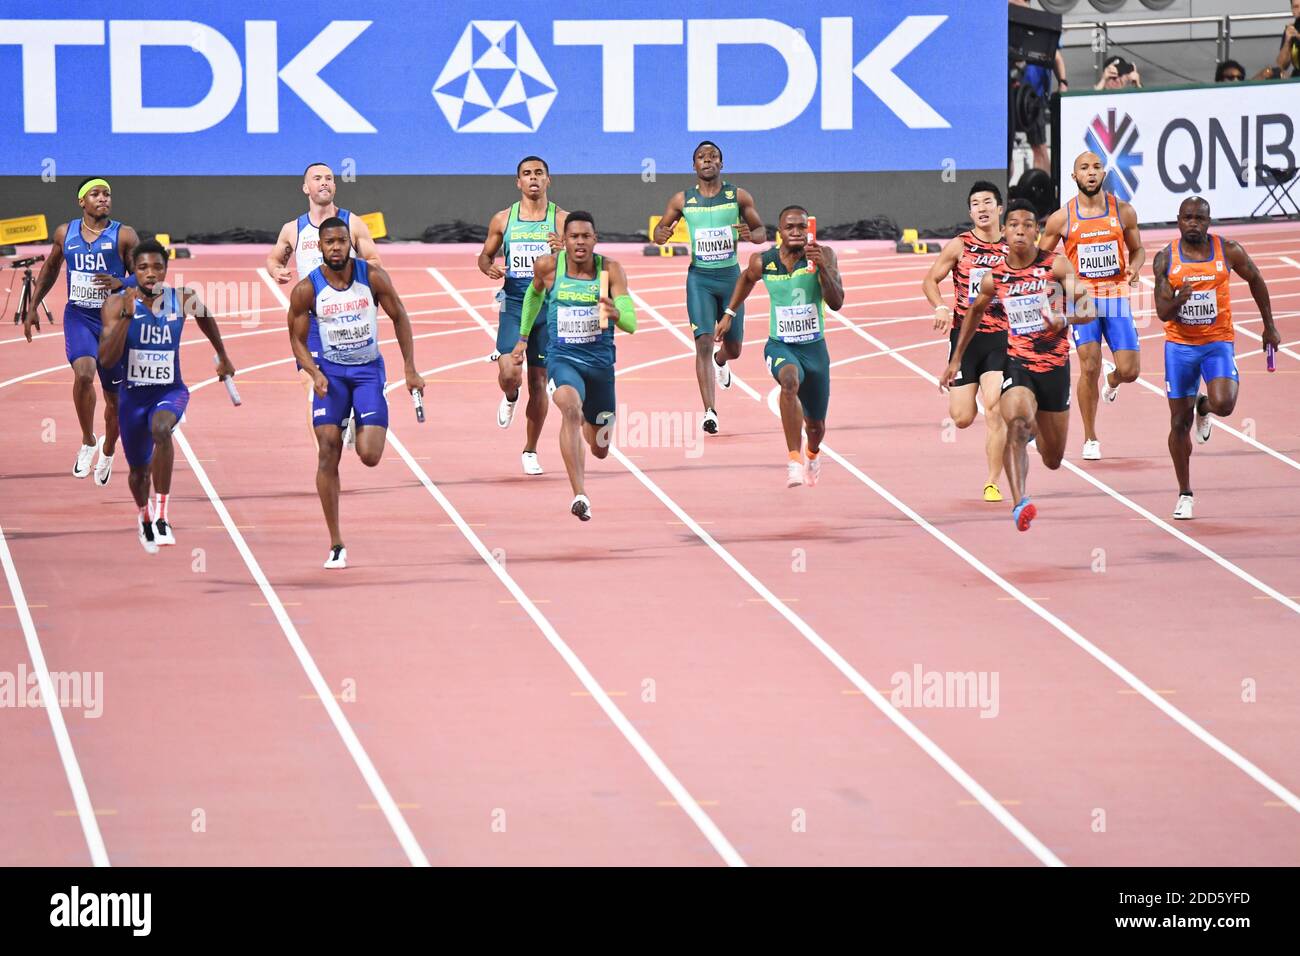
[530,228]
[802,279]
[586,298]
[718,215]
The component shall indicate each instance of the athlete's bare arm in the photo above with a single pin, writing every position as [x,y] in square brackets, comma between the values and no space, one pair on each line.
[939,271]
[828,273]
[487,256]
[1137,254]
[278,258]
[987,290]
[1244,266]
[386,297]
[617,287]
[116,318]
[750,228]
[45,280]
[363,242]
[674,212]
[554,238]
[1167,301]
[301,300]
[1076,293]
[745,282]
[1053,229]
[127,240]
[192,305]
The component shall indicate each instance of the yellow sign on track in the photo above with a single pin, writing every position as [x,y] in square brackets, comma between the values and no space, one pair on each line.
[23,229]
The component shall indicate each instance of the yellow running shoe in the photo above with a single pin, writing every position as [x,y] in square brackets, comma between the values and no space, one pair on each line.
[991,492]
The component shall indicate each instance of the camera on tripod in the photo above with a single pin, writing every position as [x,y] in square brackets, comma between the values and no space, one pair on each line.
[26,263]
[28,292]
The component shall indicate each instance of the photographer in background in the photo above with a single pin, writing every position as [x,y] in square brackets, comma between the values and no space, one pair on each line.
[1039,79]
[1288,54]
[1119,74]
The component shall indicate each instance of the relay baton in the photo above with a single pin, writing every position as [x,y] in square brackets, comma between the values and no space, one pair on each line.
[812,233]
[229,381]
[604,293]
[418,401]
[1271,354]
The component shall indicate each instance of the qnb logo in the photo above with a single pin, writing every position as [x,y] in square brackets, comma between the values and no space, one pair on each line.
[494,81]
[1115,143]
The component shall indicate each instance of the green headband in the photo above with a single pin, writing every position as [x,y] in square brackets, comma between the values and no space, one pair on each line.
[81,193]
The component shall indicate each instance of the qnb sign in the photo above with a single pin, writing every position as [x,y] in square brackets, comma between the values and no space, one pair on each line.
[1192,156]
[260,72]
[618,40]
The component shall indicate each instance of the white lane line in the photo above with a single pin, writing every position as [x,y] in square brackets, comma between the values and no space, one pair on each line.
[50,698]
[1127,502]
[965,780]
[666,777]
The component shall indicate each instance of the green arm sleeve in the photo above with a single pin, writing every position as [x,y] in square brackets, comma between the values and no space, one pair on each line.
[532,305]
[626,313]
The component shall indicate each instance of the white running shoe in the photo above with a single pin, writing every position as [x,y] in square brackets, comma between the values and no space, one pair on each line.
[721,373]
[1183,510]
[338,557]
[144,531]
[103,467]
[350,431]
[794,474]
[1108,393]
[85,458]
[162,532]
[812,471]
[710,423]
[1092,450]
[1202,429]
[531,465]
[581,508]
[506,411]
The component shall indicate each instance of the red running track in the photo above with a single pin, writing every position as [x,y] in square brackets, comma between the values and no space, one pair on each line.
[700,675]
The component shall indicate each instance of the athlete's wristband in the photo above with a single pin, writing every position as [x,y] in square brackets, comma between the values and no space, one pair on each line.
[730,311]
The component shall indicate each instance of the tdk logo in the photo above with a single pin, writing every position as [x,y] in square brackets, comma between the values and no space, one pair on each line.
[494,81]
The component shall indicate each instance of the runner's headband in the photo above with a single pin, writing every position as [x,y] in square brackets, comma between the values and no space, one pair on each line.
[81,193]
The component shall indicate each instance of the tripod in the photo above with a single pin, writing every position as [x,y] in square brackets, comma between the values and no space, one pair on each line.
[25,297]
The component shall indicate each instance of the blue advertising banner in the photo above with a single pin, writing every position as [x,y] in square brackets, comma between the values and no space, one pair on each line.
[247,88]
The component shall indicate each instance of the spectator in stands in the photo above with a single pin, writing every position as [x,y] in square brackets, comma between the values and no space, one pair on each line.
[1288,54]
[1229,71]
[1120,74]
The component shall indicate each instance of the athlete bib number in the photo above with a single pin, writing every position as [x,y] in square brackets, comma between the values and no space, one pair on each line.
[344,333]
[797,323]
[144,367]
[1099,260]
[519,264]
[1026,314]
[83,291]
[577,324]
[976,277]
[714,244]
[1201,309]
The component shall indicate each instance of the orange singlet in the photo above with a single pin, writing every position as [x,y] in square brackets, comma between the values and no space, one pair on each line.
[1095,247]
[1207,315]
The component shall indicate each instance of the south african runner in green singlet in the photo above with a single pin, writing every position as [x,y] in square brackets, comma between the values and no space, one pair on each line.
[580,323]
[718,216]
[528,229]
[802,280]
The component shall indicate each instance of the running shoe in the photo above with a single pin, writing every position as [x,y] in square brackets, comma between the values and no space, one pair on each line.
[794,474]
[1107,392]
[710,423]
[162,530]
[338,557]
[721,373]
[506,411]
[1183,510]
[1202,424]
[991,492]
[1024,513]
[1092,450]
[531,465]
[144,531]
[85,457]
[581,508]
[812,471]
[104,467]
